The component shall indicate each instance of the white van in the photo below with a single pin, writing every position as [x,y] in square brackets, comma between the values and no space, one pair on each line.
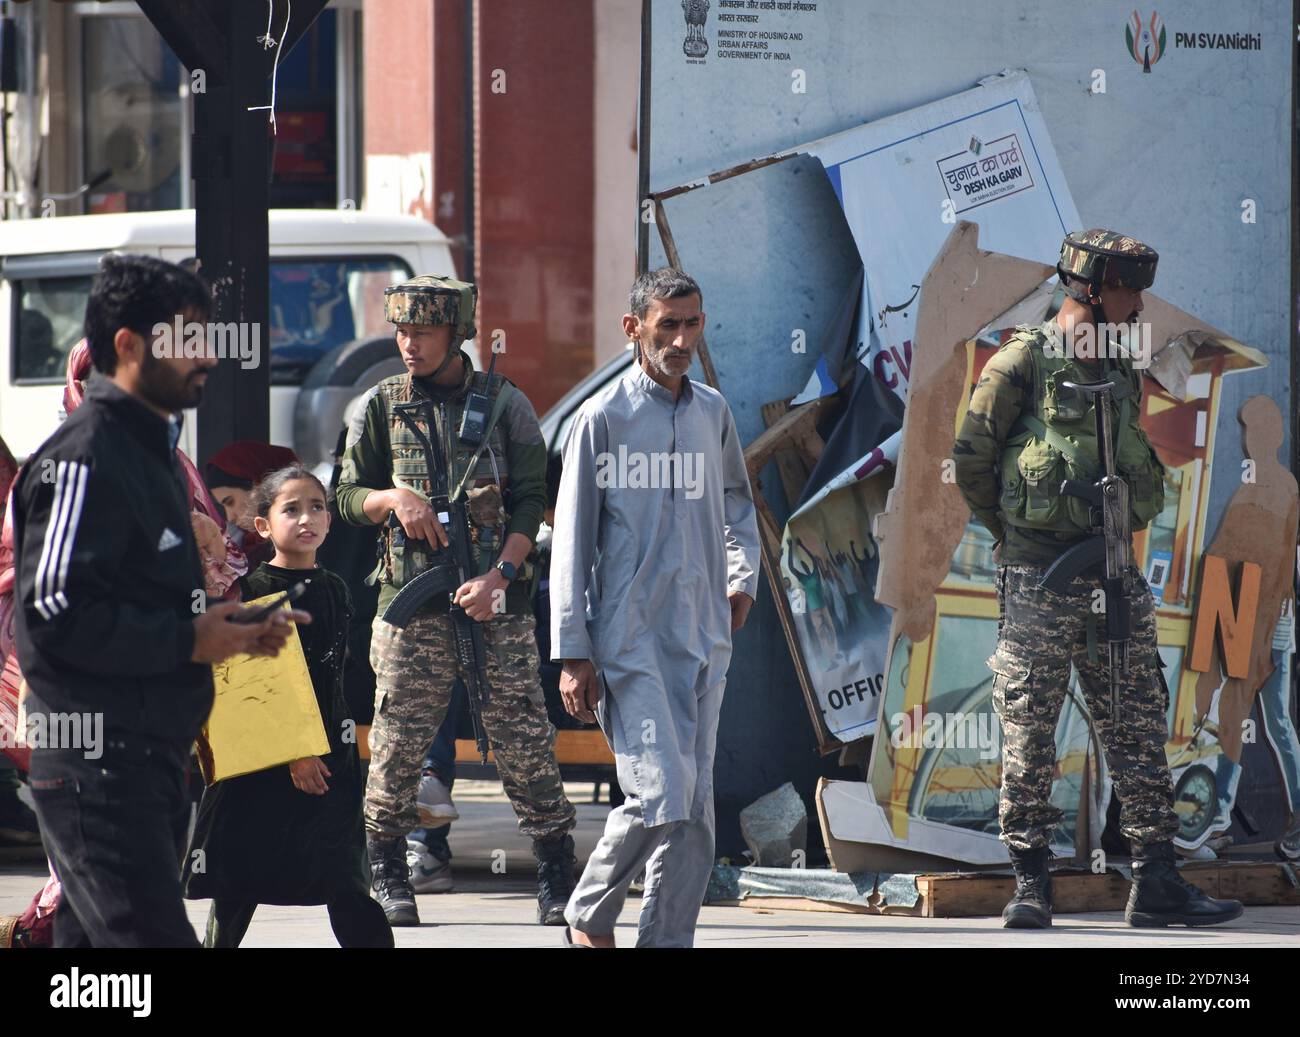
[328,338]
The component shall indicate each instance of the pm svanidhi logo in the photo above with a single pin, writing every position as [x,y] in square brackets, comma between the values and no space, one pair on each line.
[1145,42]
[697,13]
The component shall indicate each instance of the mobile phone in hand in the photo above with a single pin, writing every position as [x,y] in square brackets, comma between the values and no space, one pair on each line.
[257,615]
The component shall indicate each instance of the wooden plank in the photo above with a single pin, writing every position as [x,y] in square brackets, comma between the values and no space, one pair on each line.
[674,260]
[795,424]
[1255,885]
[571,747]
[761,904]
[769,537]
[956,896]
[968,895]
[790,465]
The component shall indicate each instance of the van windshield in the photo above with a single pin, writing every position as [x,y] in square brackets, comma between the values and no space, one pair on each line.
[316,305]
[320,304]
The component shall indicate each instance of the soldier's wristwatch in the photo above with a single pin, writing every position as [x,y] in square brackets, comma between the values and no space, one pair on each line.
[507,570]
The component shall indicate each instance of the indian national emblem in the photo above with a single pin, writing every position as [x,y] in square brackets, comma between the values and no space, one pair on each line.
[697,13]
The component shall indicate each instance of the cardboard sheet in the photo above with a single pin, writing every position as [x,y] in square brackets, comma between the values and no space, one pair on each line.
[265,713]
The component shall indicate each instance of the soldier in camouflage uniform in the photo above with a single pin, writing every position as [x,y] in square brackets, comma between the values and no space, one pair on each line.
[385,472]
[1025,432]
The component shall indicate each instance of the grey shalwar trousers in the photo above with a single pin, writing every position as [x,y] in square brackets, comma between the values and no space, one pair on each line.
[678,859]
[677,854]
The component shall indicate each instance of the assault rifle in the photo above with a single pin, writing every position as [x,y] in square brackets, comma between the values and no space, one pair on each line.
[452,567]
[1110,545]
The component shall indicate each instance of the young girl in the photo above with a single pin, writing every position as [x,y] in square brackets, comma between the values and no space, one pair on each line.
[292,834]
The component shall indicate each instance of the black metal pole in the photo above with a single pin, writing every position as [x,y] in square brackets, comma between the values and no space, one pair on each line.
[229,43]
[231,193]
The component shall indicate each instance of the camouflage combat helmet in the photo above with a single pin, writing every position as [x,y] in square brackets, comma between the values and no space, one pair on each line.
[433,299]
[1099,257]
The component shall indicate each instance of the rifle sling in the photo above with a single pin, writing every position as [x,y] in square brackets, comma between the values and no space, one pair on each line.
[1069,449]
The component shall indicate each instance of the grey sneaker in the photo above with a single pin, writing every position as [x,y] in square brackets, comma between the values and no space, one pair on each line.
[1288,847]
[429,873]
[433,801]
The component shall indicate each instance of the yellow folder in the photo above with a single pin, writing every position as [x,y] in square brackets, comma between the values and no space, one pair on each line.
[265,713]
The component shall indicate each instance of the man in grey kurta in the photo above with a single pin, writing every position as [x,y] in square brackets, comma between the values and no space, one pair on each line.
[654,565]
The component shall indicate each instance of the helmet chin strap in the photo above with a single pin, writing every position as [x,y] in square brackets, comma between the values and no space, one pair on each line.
[1085,297]
[453,351]
[1098,312]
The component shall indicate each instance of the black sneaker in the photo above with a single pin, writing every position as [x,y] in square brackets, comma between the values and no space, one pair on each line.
[555,882]
[390,882]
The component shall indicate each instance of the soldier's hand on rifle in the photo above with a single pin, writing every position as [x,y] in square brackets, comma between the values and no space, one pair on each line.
[482,597]
[419,522]
[580,689]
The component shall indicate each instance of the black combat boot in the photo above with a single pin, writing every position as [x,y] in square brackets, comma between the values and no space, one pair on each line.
[390,881]
[1031,907]
[555,882]
[1160,896]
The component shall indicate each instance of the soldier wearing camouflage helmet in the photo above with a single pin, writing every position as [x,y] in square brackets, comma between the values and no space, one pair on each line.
[385,472]
[1025,432]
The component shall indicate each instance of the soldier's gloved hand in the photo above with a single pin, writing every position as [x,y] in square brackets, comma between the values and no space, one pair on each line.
[483,597]
[419,522]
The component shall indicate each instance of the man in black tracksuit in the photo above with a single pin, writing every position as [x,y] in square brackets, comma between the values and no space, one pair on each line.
[112,626]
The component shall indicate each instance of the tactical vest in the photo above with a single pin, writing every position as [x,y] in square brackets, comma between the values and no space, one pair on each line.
[485,490]
[1055,439]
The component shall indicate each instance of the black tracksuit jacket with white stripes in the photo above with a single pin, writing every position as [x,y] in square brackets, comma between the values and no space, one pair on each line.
[109,574]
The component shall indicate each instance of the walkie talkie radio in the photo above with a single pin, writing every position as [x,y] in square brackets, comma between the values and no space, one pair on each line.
[478,405]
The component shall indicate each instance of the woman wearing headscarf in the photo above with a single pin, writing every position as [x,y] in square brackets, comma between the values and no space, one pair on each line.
[232,473]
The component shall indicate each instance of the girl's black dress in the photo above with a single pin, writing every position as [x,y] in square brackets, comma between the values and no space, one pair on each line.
[263,840]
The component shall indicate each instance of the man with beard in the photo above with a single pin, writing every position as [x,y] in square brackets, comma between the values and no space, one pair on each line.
[648,585]
[112,630]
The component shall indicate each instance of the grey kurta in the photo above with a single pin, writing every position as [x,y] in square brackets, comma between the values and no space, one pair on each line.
[641,568]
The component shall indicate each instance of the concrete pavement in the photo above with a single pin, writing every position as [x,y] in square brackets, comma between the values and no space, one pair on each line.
[494,905]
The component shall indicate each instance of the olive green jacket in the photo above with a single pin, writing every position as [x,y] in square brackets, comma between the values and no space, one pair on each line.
[367,466]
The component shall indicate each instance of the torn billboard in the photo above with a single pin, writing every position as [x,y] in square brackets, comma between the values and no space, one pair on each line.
[984,156]
[902,183]
[868,61]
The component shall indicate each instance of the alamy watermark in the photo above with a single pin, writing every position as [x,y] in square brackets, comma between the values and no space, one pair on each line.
[917,729]
[1101,342]
[211,340]
[74,989]
[84,731]
[657,470]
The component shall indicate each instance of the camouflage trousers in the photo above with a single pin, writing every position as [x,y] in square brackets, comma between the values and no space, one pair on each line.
[415,669]
[1040,634]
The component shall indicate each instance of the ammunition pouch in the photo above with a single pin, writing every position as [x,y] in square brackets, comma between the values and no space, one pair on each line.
[1055,439]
